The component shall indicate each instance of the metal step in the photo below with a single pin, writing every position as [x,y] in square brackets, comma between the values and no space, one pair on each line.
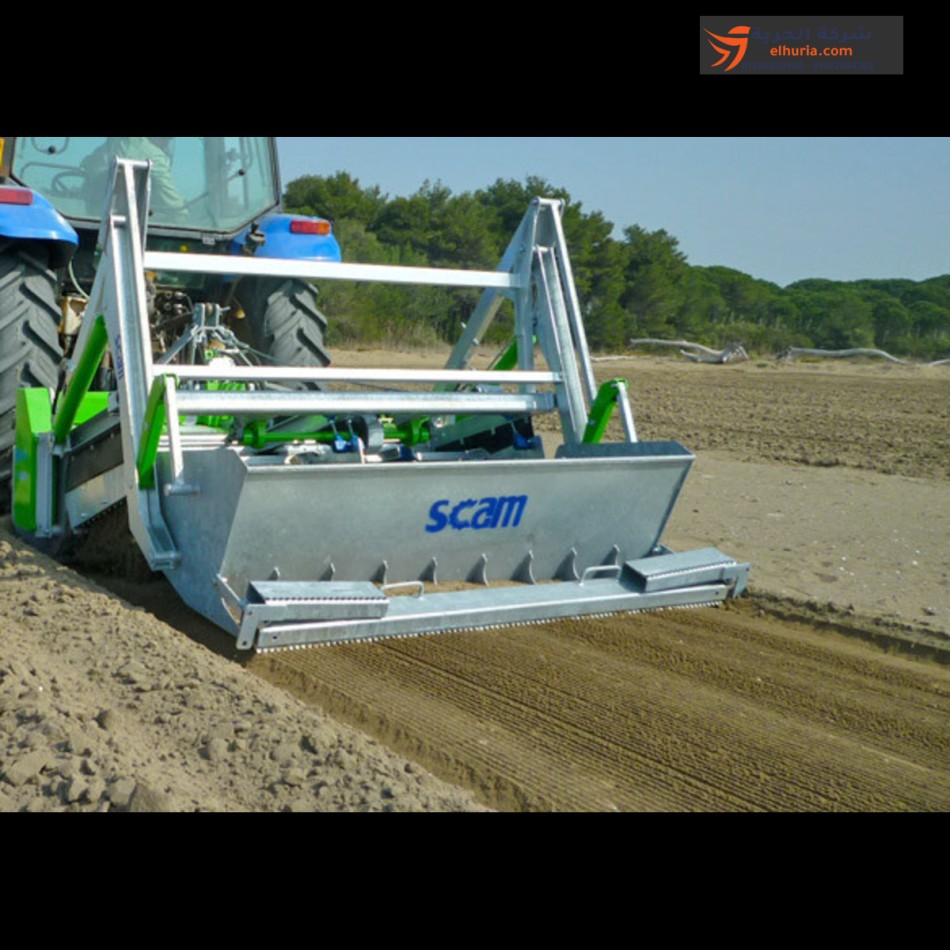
[702,566]
[271,602]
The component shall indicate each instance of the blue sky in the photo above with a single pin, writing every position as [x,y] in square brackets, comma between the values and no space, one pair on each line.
[781,209]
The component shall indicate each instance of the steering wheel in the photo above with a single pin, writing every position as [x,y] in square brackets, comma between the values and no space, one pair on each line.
[59,188]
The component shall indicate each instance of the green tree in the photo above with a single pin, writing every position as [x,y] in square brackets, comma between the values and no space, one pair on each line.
[639,286]
[339,197]
[655,273]
[834,315]
[507,201]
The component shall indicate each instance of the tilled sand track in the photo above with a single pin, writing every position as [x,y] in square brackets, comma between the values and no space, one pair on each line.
[707,710]
[736,709]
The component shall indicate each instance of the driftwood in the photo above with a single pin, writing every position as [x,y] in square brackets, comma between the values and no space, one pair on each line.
[735,351]
[794,351]
[700,353]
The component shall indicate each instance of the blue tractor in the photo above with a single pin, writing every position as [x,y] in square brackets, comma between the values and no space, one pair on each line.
[216,194]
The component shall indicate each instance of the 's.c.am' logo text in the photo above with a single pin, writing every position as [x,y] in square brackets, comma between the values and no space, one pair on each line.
[487,514]
[735,41]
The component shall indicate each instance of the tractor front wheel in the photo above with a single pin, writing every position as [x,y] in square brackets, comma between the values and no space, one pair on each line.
[284,324]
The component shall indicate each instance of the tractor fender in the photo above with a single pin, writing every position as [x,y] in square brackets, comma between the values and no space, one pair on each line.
[26,215]
[301,244]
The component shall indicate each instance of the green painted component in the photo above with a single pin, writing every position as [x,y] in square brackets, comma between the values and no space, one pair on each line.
[413,432]
[34,418]
[86,369]
[254,435]
[91,406]
[602,410]
[509,359]
[257,436]
[219,422]
[152,427]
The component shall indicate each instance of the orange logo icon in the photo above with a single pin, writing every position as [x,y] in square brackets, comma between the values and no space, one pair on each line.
[736,41]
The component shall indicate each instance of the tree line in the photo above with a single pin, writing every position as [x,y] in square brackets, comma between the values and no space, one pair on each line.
[640,285]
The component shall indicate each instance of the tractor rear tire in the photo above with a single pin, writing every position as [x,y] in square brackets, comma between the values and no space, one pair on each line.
[30,350]
[284,323]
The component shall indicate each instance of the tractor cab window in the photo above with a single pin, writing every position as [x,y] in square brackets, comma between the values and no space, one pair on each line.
[209,184]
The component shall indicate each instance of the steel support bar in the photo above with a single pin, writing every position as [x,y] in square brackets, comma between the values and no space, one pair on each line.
[325,270]
[554,335]
[573,308]
[276,374]
[119,294]
[626,411]
[271,404]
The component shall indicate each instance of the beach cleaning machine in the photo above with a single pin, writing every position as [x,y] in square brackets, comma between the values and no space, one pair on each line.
[298,506]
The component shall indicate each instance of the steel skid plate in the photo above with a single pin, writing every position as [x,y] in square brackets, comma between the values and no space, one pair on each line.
[485,608]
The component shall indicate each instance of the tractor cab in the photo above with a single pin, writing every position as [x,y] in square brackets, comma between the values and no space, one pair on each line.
[210,186]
